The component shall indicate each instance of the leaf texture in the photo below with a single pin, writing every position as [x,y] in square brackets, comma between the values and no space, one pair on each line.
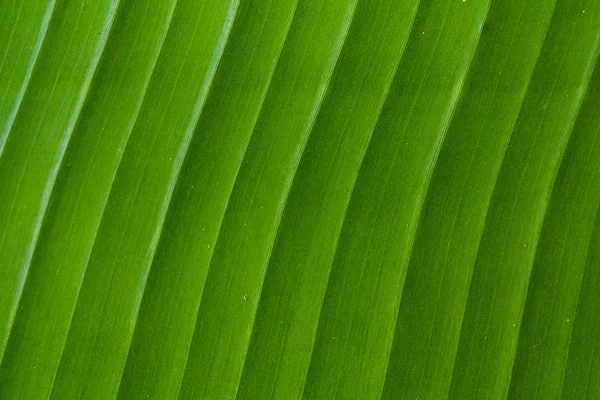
[455,207]
[39,136]
[213,161]
[79,197]
[303,251]
[518,206]
[97,344]
[275,199]
[357,323]
[23,27]
[560,262]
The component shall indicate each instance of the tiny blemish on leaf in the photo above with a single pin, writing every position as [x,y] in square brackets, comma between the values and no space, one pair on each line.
[246,297]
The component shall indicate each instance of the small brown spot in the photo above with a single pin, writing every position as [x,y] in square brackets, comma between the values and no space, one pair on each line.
[245,297]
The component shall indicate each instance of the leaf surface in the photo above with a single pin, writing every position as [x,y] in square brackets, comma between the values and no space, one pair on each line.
[97,344]
[78,199]
[454,210]
[39,136]
[359,311]
[510,239]
[284,199]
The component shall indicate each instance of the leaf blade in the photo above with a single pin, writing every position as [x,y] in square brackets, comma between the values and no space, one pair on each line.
[455,206]
[34,150]
[97,343]
[522,191]
[78,199]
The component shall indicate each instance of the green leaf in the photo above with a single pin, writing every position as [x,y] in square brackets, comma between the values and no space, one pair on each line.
[581,378]
[40,133]
[79,197]
[23,27]
[96,347]
[358,315]
[351,199]
[247,217]
[490,329]
[454,210]
[560,261]
[296,278]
